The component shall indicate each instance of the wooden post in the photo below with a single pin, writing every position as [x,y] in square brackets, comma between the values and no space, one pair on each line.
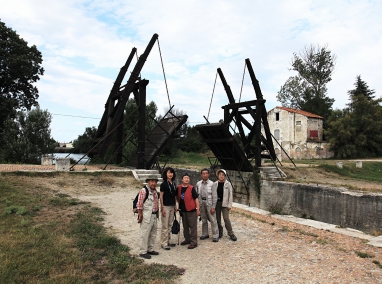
[142,124]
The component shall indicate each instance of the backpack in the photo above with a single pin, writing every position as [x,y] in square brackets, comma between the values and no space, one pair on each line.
[135,201]
[135,210]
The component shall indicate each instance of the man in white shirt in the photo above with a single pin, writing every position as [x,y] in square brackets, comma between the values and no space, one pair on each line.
[207,201]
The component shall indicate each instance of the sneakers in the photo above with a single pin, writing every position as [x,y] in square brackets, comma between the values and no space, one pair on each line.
[204,237]
[233,237]
[192,246]
[185,243]
[171,245]
[153,252]
[165,247]
[215,240]
[145,255]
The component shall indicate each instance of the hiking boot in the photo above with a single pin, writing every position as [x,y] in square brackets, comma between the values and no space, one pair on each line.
[233,237]
[153,252]
[165,247]
[185,243]
[215,240]
[204,237]
[145,255]
[192,246]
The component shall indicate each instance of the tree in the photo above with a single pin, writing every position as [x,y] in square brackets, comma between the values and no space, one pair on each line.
[84,142]
[361,89]
[356,132]
[20,67]
[27,137]
[307,90]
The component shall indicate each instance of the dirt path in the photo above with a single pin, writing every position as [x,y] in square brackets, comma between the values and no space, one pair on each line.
[267,251]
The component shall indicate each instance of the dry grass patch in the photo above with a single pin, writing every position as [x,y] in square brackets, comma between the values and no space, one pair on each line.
[59,239]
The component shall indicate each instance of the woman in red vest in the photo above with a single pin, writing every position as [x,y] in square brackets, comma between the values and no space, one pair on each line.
[189,209]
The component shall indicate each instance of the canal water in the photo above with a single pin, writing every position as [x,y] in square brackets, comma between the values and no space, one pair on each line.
[75,157]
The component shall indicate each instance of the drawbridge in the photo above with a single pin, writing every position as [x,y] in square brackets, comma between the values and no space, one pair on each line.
[244,150]
[112,134]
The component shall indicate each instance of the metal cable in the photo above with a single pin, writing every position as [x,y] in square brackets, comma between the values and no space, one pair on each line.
[242,82]
[164,75]
[241,89]
[213,91]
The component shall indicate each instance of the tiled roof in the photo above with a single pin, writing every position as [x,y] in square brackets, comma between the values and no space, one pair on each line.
[308,114]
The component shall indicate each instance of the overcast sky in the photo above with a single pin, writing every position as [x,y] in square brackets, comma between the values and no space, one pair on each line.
[85,43]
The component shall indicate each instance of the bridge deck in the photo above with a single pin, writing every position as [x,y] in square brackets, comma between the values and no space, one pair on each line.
[224,146]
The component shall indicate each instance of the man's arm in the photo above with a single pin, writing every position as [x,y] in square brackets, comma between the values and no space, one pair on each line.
[197,207]
[230,195]
[214,198]
[140,215]
[141,197]
[161,204]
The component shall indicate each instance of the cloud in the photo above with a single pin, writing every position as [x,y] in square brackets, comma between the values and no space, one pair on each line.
[85,43]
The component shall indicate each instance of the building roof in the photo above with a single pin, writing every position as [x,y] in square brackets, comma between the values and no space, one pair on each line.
[302,112]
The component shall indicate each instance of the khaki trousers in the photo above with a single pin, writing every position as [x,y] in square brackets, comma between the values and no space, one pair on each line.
[167,225]
[227,222]
[148,234]
[205,213]
[190,229]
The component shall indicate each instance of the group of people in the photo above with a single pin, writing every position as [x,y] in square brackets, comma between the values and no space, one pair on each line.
[207,199]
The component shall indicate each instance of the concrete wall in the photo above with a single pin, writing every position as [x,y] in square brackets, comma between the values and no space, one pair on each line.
[337,206]
[46,160]
[361,211]
[62,164]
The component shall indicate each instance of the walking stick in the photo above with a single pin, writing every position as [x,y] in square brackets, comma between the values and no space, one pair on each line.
[180,226]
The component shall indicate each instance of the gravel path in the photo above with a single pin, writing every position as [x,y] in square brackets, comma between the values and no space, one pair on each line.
[268,250]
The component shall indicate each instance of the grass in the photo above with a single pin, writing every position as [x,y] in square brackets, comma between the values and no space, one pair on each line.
[276,208]
[370,171]
[377,263]
[321,241]
[364,254]
[49,238]
[191,160]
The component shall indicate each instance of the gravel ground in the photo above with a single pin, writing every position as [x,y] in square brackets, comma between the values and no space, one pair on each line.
[267,251]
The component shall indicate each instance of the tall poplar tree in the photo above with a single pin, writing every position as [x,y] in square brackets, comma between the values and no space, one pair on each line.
[307,90]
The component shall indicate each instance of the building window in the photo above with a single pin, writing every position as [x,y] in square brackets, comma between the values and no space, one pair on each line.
[298,122]
[277,116]
[277,134]
[313,134]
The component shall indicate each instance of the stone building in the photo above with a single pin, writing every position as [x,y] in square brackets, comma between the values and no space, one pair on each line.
[300,133]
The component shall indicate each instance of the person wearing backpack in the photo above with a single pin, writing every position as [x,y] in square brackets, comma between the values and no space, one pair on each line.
[168,208]
[148,207]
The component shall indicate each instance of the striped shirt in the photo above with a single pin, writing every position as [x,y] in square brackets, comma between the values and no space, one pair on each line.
[141,198]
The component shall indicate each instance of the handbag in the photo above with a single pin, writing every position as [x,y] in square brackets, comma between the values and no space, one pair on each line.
[175,226]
